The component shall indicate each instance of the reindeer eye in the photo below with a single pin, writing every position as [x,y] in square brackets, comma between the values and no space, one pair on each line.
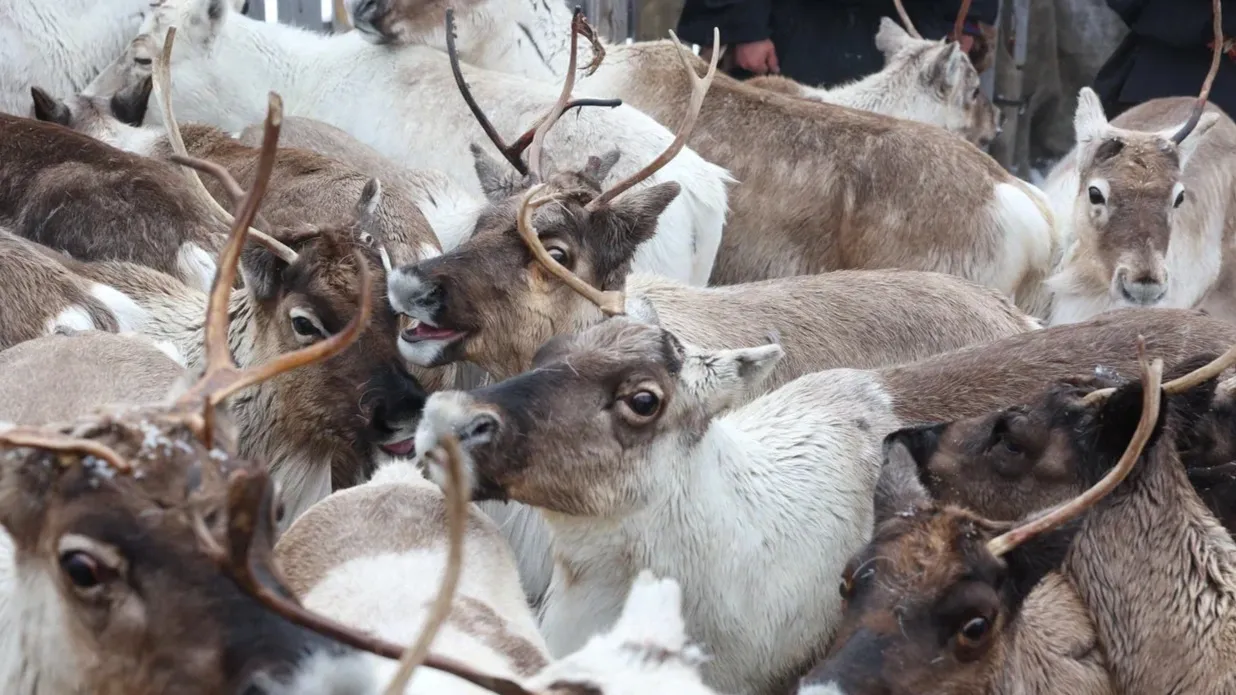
[975,630]
[975,94]
[644,403]
[1096,196]
[558,254]
[1179,199]
[304,326]
[142,61]
[83,570]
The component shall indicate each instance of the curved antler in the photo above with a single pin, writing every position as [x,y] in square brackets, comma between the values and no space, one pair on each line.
[1181,384]
[959,25]
[1200,107]
[905,20]
[513,152]
[162,76]
[610,303]
[699,89]
[38,438]
[457,495]
[1152,375]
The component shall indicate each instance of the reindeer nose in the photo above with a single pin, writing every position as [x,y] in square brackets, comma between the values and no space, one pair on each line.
[413,293]
[1144,288]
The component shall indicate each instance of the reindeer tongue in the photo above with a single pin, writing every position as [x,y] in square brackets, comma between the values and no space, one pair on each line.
[403,448]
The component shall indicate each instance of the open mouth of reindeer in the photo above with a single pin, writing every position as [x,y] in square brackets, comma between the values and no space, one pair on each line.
[414,330]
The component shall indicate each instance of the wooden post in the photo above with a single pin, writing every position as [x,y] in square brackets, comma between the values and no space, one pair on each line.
[655,19]
[612,18]
[301,13]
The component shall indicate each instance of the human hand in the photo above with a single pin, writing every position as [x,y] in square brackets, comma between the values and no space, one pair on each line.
[759,57]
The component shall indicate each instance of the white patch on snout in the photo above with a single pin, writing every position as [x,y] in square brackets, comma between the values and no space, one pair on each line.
[829,688]
[404,289]
[425,353]
[130,316]
[328,673]
[195,266]
[445,413]
[74,317]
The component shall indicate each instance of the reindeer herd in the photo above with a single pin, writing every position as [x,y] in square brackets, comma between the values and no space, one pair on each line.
[467,352]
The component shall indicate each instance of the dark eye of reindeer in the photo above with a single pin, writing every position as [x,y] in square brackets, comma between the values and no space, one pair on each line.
[975,630]
[84,571]
[558,254]
[142,61]
[304,326]
[644,403]
[1179,200]
[1096,196]
[975,94]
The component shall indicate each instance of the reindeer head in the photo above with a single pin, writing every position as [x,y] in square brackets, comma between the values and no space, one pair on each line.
[594,428]
[933,599]
[937,83]
[500,287]
[1006,464]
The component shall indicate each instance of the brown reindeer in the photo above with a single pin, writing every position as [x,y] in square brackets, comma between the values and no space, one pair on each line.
[41,295]
[940,600]
[822,187]
[494,300]
[306,188]
[1147,206]
[95,202]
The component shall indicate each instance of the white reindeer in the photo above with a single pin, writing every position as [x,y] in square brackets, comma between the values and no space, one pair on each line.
[621,437]
[404,103]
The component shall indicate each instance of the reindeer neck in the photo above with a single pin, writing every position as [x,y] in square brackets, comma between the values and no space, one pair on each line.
[531,39]
[1158,574]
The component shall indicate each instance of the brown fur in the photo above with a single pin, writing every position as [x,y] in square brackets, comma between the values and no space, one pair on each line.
[35,288]
[826,187]
[977,380]
[491,289]
[59,378]
[164,618]
[95,202]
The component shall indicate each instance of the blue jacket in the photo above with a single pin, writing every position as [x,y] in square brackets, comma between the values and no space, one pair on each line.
[821,42]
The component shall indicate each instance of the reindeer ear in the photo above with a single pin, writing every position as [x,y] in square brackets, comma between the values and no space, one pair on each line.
[1189,146]
[498,180]
[899,488]
[892,38]
[618,230]
[1191,406]
[725,375]
[1109,430]
[49,108]
[920,441]
[262,272]
[129,104]
[370,199]
[598,168]
[946,70]
[1089,122]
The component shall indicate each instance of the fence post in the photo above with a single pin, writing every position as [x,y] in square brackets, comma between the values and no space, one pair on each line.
[257,9]
[655,18]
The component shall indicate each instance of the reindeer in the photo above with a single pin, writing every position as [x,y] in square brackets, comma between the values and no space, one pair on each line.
[653,458]
[932,82]
[306,188]
[76,194]
[1146,204]
[406,111]
[42,296]
[62,45]
[450,209]
[1171,627]
[821,187]
[494,300]
[67,374]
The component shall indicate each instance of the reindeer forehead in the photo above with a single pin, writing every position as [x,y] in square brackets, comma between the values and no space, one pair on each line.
[926,550]
[616,344]
[1138,162]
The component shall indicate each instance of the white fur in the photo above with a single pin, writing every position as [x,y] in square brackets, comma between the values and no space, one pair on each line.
[1194,259]
[73,317]
[404,103]
[59,46]
[36,653]
[129,315]
[822,689]
[196,266]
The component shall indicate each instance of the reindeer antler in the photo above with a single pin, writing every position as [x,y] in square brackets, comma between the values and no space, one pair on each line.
[905,20]
[223,377]
[611,303]
[959,24]
[457,495]
[247,490]
[1181,384]
[699,89]
[1200,107]
[579,25]
[39,438]
[162,76]
[1152,375]
[513,152]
